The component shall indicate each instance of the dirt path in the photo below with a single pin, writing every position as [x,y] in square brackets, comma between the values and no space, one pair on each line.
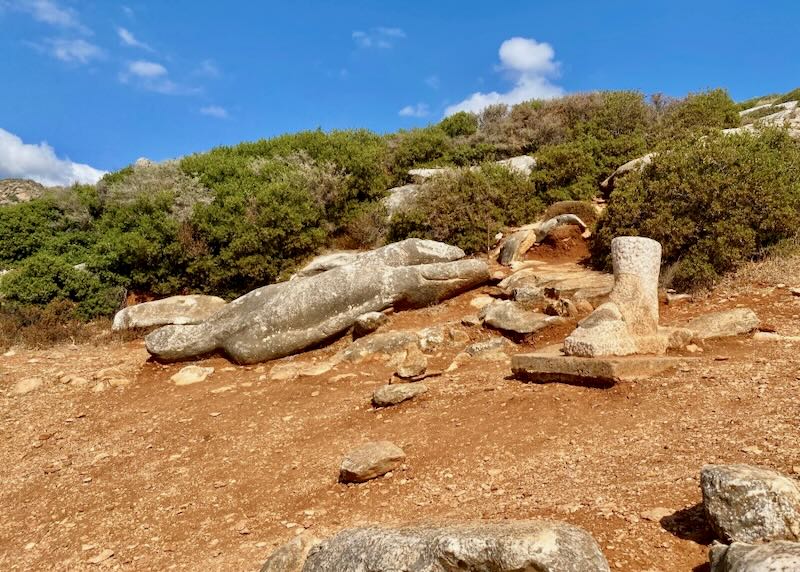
[213,476]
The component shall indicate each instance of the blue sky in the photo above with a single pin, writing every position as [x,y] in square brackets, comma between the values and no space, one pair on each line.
[91,86]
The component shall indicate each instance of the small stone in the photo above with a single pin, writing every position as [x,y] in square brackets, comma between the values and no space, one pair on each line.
[693,348]
[368,323]
[397,393]
[414,364]
[795,291]
[191,374]
[656,514]
[102,557]
[26,386]
[369,461]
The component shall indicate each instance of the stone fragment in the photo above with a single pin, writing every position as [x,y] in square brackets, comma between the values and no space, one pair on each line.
[397,393]
[368,323]
[414,363]
[777,556]
[26,386]
[173,310]
[724,324]
[369,461]
[191,374]
[513,317]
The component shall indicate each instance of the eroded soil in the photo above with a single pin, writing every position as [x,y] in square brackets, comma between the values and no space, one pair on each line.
[214,476]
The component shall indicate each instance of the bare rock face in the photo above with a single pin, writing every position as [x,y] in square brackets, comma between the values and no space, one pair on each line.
[291,556]
[750,504]
[628,322]
[370,461]
[397,393]
[173,310]
[723,324]
[281,319]
[777,556]
[541,546]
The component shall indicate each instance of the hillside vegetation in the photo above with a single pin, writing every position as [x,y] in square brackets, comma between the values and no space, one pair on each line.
[234,218]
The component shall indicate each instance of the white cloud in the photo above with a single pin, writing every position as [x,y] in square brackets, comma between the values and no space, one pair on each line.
[531,64]
[208,68]
[214,111]
[72,51]
[128,39]
[418,110]
[128,11]
[40,163]
[50,12]
[152,76]
[380,37]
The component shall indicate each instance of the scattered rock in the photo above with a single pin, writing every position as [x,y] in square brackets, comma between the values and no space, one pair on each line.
[432,338]
[291,556]
[385,344]
[102,557]
[471,321]
[481,301]
[494,344]
[25,386]
[676,298]
[397,393]
[723,324]
[777,556]
[192,374]
[414,364]
[173,310]
[656,514]
[368,323]
[511,546]
[750,504]
[563,307]
[512,317]
[369,461]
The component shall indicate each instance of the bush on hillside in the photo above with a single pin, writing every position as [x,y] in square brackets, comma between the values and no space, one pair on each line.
[711,203]
[699,113]
[461,124]
[422,147]
[468,207]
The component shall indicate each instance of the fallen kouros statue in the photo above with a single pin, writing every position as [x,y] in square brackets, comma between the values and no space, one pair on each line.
[541,546]
[282,319]
[521,240]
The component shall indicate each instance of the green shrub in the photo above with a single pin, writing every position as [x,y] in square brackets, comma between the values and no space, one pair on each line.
[712,203]
[705,112]
[468,207]
[417,148]
[461,124]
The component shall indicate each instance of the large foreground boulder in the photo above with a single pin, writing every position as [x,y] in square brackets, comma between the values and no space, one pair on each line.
[281,319]
[750,504]
[540,546]
[173,310]
[778,556]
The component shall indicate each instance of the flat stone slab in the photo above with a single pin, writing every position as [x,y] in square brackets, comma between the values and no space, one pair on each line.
[550,368]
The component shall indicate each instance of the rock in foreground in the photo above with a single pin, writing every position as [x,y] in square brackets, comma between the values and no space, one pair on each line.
[750,504]
[173,310]
[397,393]
[281,319]
[541,546]
[723,324]
[778,556]
[369,461]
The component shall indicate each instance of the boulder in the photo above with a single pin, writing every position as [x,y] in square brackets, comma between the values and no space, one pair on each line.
[400,198]
[778,556]
[291,556]
[513,317]
[750,504]
[26,386]
[495,344]
[385,344]
[370,461]
[281,319]
[173,310]
[633,165]
[397,393]
[511,546]
[724,324]
[368,323]
[522,164]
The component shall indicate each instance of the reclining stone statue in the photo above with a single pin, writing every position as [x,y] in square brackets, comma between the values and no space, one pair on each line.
[281,319]
[525,237]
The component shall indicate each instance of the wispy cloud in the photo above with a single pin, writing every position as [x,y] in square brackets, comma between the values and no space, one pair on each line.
[380,37]
[214,111]
[418,110]
[433,82]
[128,39]
[209,69]
[128,11]
[40,163]
[531,64]
[51,13]
[152,76]
[77,51]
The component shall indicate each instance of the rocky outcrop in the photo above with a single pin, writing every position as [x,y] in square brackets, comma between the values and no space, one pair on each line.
[400,198]
[633,165]
[370,461]
[13,191]
[541,546]
[173,310]
[723,324]
[750,504]
[778,556]
[523,164]
[284,318]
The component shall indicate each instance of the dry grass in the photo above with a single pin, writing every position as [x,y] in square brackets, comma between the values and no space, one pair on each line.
[781,265]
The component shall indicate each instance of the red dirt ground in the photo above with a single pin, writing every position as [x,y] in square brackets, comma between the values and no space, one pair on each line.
[214,476]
